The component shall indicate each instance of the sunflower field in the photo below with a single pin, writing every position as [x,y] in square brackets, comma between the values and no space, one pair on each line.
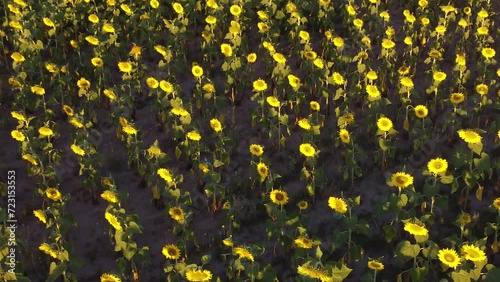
[250,140]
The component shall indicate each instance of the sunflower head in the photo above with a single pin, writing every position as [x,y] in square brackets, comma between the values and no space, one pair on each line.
[375,265]
[279,197]
[401,180]
[449,258]
[171,252]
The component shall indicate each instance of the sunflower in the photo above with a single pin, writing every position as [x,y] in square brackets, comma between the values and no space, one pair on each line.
[314,106]
[373,91]
[38,90]
[259,85]
[449,257]
[179,111]
[18,135]
[407,82]
[401,180]
[92,40]
[461,59]
[371,75]
[40,215]
[243,253]
[152,82]
[473,253]
[344,135]
[48,22]
[293,81]
[384,124]
[439,76]
[311,272]
[483,30]
[303,242]
[107,27]
[165,174]
[302,205]
[17,115]
[109,197]
[304,124]
[279,197]
[457,98]
[421,111]
[415,229]
[193,135]
[488,53]
[166,86]
[262,170]
[496,204]
[130,130]
[273,101]
[110,94]
[256,150]
[171,252]
[178,8]
[93,18]
[107,277]
[375,265]
[113,220]
[176,214]
[17,57]
[198,275]
[337,204]
[482,89]
[45,131]
[310,55]
[470,136]
[235,10]
[154,4]
[47,249]
[212,20]
[388,44]
[77,150]
[53,194]
[226,49]
[197,71]
[338,78]
[358,23]
[252,57]
[307,150]
[440,29]
[437,166]
[216,125]
[125,67]
[228,242]
[126,9]
[30,159]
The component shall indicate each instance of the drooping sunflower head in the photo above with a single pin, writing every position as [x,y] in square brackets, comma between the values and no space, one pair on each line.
[243,253]
[375,265]
[416,229]
[303,242]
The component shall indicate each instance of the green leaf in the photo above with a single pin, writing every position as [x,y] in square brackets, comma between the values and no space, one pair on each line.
[383,144]
[284,119]
[340,272]
[482,164]
[389,233]
[447,179]
[206,259]
[418,274]
[218,163]
[430,190]
[319,253]
[408,250]
[493,275]
[461,276]
[56,271]
[476,148]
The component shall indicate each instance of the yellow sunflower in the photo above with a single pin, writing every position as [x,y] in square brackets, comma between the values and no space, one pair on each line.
[165,174]
[108,277]
[307,150]
[259,85]
[125,67]
[242,252]
[216,125]
[176,214]
[304,124]
[469,136]
[421,111]
[401,180]
[263,170]
[384,124]
[197,71]
[314,106]
[449,257]
[252,57]
[193,135]
[18,135]
[375,265]
[439,76]
[152,82]
[178,8]
[373,91]
[311,272]
[53,194]
[303,242]
[109,196]
[302,205]
[256,150]
[77,150]
[482,89]
[496,204]
[407,82]
[473,253]
[40,215]
[113,220]
[415,229]
[437,166]
[457,98]
[344,135]
[337,204]
[279,197]
[273,101]
[171,252]
[198,275]
[38,90]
